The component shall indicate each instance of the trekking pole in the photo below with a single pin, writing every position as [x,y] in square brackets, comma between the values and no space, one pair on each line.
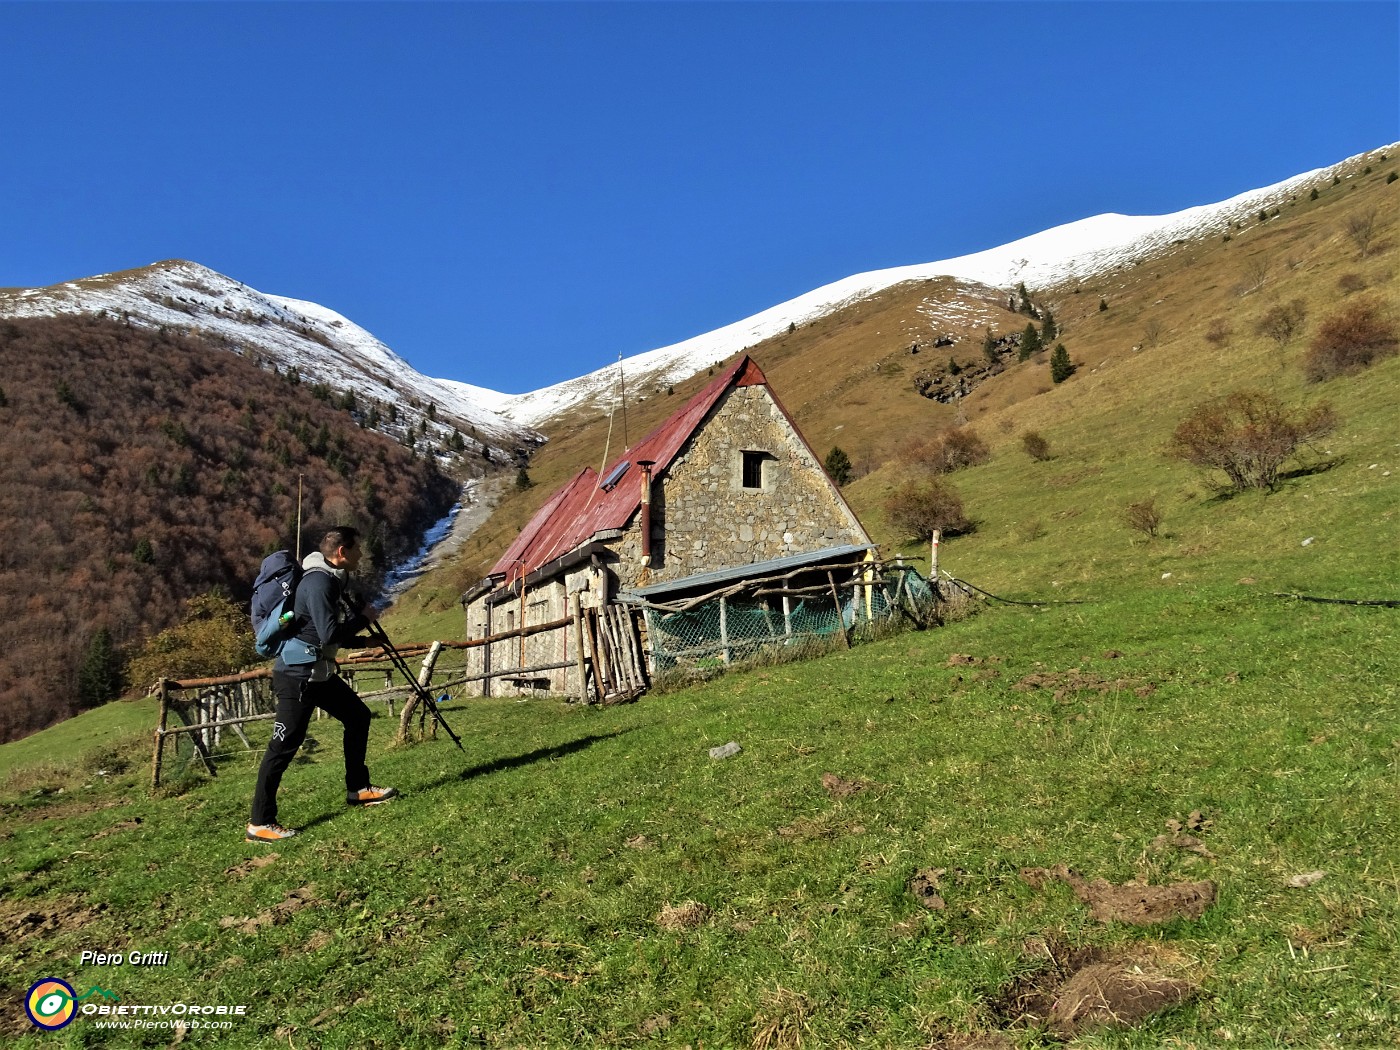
[426,698]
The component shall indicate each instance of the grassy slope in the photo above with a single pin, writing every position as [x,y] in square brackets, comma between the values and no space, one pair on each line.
[510,899]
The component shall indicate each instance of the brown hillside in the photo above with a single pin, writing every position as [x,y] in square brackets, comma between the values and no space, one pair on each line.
[139,468]
[849,379]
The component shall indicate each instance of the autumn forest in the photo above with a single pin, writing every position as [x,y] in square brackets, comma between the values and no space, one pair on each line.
[142,468]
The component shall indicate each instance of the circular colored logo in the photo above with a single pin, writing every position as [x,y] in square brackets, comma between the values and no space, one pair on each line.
[50,1003]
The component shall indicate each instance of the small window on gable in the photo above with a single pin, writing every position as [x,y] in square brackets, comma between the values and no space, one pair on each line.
[753,469]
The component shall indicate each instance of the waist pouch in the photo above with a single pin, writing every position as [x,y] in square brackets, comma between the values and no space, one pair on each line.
[296,653]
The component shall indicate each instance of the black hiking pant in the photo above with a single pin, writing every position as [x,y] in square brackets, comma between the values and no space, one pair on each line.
[297,698]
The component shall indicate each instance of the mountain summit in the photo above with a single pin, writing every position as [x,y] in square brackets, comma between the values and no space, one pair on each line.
[1076,251]
[323,346]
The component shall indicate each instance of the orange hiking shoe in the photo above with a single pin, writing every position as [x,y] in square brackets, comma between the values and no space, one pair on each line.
[268,833]
[370,796]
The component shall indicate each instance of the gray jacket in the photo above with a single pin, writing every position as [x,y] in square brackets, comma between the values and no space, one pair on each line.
[325,622]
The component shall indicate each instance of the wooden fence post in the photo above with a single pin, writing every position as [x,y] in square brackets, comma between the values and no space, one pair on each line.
[576,608]
[424,677]
[160,734]
[840,619]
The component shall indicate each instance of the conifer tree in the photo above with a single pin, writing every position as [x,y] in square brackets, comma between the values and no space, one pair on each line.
[1060,366]
[99,676]
[989,347]
[1030,342]
[1049,330]
[838,465]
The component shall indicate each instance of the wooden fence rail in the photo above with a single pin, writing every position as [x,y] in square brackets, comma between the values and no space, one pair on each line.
[608,659]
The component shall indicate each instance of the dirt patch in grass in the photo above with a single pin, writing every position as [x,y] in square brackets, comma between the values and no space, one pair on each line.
[972,1041]
[121,825]
[1063,684]
[924,887]
[22,921]
[14,814]
[655,1025]
[301,897]
[1138,904]
[1081,990]
[840,787]
[27,928]
[673,918]
[251,865]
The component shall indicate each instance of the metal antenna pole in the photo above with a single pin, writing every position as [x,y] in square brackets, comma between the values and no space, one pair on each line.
[299,481]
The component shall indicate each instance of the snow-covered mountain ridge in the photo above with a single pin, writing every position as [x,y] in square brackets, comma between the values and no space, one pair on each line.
[323,346]
[1076,251]
[328,348]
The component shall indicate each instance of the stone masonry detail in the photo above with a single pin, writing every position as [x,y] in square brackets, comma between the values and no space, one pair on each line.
[703,518]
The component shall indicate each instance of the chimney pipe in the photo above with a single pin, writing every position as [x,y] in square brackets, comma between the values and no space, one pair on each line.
[646,465]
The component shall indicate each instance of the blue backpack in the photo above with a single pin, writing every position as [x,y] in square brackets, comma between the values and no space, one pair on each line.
[274,595]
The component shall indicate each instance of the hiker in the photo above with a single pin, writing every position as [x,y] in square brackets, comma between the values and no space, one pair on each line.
[305,677]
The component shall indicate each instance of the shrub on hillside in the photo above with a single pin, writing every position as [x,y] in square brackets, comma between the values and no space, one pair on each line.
[955,448]
[1355,337]
[1249,435]
[1282,321]
[1219,332]
[920,506]
[1361,228]
[1348,283]
[213,638]
[1143,516]
[1036,446]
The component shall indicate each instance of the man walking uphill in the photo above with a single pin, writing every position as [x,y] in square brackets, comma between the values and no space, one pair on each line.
[305,677]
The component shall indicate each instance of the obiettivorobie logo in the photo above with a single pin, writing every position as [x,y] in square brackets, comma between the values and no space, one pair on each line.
[51,1003]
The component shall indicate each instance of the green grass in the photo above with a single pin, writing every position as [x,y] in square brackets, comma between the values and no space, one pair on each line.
[511,897]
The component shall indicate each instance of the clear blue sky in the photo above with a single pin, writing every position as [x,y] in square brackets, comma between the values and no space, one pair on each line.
[512,194]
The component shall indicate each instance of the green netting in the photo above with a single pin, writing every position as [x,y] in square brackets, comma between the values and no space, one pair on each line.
[740,626]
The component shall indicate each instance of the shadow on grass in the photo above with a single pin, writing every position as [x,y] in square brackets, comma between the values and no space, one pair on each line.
[543,754]
[1307,470]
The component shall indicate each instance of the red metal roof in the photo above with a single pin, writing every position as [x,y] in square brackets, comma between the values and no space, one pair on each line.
[581,509]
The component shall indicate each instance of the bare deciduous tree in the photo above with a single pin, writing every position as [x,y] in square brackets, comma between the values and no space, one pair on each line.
[1256,274]
[1361,228]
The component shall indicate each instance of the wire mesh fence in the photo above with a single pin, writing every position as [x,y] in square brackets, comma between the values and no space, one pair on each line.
[771,623]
